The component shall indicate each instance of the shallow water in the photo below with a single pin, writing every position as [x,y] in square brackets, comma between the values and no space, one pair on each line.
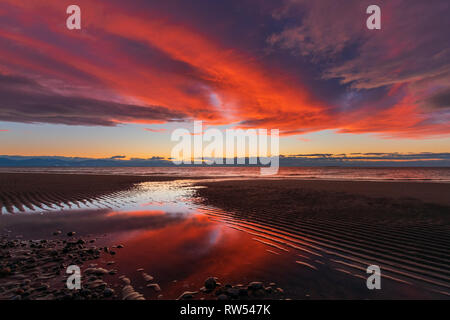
[309,173]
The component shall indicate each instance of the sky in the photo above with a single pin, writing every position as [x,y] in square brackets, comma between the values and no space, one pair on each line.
[139,69]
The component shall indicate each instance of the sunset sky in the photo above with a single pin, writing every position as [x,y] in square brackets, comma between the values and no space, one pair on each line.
[139,69]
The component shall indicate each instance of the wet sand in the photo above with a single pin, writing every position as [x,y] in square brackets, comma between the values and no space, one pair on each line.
[33,191]
[153,249]
[402,227]
[297,239]
[128,255]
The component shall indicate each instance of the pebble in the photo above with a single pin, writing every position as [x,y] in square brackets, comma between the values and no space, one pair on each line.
[96,271]
[125,280]
[210,283]
[128,293]
[187,295]
[155,286]
[108,292]
[147,277]
[255,285]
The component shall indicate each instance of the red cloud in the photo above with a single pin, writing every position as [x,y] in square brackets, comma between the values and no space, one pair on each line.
[145,58]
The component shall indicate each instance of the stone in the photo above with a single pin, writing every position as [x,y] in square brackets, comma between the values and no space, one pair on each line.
[96,271]
[155,286]
[187,295]
[255,285]
[210,283]
[108,292]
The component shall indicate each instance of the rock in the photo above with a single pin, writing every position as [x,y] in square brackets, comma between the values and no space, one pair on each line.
[71,233]
[97,284]
[108,292]
[85,292]
[125,280]
[279,290]
[96,271]
[155,286]
[140,270]
[147,277]
[57,232]
[222,297]
[120,246]
[243,292]
[128,293]
[112,252]
[259,293]
[187,295]
[233,292]
[210,283]
[255,285]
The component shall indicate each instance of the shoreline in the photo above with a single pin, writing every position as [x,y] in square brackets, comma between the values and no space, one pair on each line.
[20,192]
[431,192]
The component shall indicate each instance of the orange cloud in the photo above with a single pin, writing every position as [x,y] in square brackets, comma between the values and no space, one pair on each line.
[148,58]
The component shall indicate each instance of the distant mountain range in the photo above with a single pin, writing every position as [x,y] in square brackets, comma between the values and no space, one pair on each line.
[311,160]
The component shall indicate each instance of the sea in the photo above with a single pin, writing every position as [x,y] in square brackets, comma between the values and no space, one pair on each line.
[411,174]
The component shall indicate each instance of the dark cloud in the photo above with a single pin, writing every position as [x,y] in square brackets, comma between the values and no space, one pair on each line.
[25,100]
[296,65]
[440,100]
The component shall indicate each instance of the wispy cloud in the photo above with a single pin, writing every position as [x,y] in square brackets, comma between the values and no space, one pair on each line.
[25,100]
[155,130]
[300,66]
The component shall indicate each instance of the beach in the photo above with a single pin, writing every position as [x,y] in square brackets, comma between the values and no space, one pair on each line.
[404,227]
[167,237]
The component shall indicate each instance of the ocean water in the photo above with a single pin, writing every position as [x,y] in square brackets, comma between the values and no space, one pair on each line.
[411,174]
